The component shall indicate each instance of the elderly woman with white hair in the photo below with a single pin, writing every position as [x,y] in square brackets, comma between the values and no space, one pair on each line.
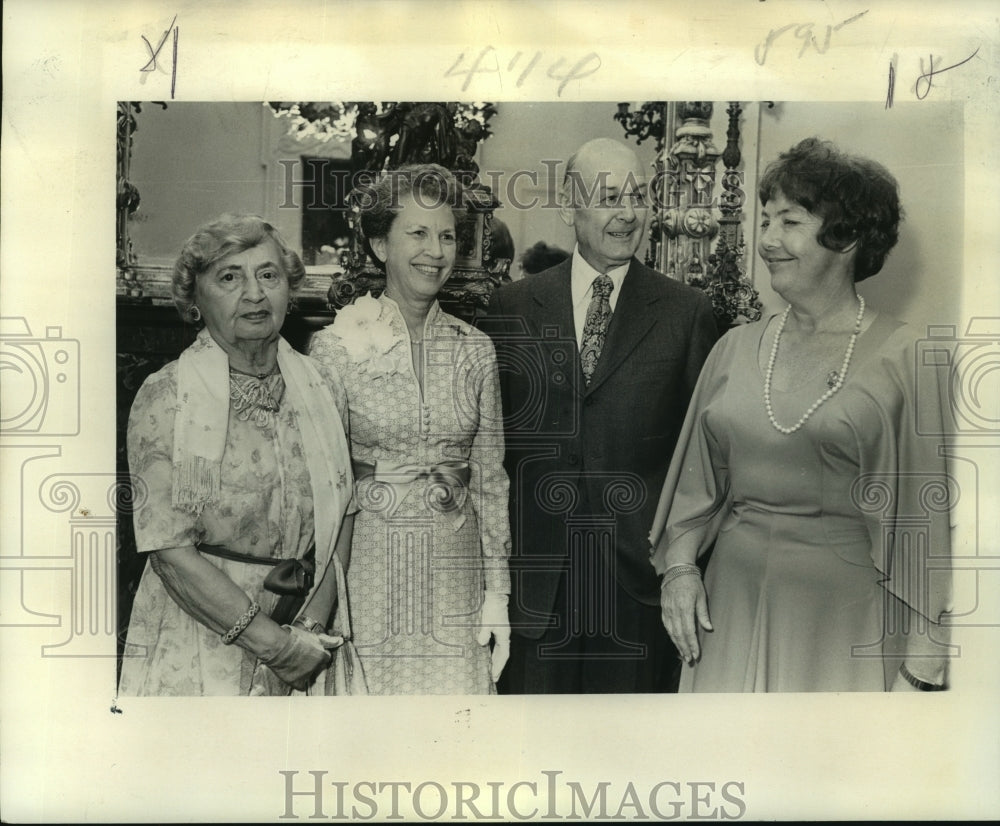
[243,483]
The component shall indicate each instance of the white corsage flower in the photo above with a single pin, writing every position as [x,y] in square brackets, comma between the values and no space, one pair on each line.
[368,337]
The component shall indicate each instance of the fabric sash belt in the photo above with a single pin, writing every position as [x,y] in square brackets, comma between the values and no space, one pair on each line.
[292,579]
[447,480]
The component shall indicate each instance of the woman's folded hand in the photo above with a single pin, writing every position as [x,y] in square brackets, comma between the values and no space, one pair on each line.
[684,607]
[303,656]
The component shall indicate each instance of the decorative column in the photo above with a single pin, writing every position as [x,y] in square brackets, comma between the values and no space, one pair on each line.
[734,299]
[685,190]
[92,500]
[688,211]
[914,561]
[408,592]
[732,197]
[591,536]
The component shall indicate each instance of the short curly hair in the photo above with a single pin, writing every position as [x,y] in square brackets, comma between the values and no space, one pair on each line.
[857,198]
[379,203]
[229,233]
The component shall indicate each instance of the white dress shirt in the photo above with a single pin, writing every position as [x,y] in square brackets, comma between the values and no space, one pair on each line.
[582,277]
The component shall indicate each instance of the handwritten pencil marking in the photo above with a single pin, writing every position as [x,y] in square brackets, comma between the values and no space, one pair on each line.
[928,76]
[805,33]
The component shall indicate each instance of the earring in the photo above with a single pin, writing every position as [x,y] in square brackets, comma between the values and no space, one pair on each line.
[195,313]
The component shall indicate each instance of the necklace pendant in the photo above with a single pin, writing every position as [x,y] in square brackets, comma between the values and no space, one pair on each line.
[254,399]
[833,378]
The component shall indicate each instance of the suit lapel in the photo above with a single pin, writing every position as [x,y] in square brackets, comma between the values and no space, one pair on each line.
[633,317]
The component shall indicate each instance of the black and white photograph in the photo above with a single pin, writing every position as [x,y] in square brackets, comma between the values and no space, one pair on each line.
[559,505]
[580,452]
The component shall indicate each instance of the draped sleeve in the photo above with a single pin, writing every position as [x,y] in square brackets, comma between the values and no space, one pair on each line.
[336,386]
[903,490]
[327,356]
[324,347]
[696,491]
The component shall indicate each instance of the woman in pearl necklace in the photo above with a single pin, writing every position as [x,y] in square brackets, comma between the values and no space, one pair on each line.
[800,464]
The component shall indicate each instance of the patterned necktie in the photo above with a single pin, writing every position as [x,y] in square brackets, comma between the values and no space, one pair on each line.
[595,327]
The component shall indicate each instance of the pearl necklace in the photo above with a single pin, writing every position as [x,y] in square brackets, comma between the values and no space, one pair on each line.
[838,381]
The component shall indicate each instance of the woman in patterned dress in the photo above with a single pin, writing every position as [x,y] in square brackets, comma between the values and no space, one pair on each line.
[242,480]
[428,577]
[801,460]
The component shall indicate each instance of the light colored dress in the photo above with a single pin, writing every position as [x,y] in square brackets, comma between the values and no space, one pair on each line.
[265,509]
[811,529]
[423,549]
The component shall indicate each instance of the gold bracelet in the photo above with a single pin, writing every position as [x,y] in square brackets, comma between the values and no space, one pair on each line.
[916,682]
[230,636]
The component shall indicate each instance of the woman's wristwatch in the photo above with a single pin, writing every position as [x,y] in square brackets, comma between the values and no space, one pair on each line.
[308,624]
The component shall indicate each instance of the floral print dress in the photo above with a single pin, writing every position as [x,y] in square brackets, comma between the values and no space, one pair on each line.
[265,508]
[429,536]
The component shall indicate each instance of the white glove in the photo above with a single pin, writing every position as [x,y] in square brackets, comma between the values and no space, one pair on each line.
[303,656]
[493,622]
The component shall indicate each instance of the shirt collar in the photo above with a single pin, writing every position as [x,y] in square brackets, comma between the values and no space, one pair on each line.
[582,275]
[437,318]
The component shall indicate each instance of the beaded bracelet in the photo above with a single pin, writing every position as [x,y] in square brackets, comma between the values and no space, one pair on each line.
[676,571]
[230,636]
[916,682]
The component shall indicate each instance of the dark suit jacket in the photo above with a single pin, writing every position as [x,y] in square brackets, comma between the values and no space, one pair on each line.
[601,450]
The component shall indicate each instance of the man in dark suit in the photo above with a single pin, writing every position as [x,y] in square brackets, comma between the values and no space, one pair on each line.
[598,358]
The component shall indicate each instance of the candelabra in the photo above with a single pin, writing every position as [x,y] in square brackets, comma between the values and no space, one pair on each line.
[649,121]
